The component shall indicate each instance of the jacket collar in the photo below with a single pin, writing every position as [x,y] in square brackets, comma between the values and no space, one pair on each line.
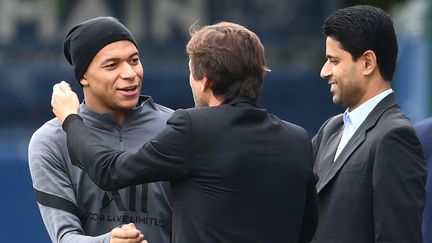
[238,100]
[357,139]
[102,121]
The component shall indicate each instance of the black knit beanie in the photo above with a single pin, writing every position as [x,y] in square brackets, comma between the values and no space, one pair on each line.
[84,40]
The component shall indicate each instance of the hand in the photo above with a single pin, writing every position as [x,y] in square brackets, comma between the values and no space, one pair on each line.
[64,101]
[127,234]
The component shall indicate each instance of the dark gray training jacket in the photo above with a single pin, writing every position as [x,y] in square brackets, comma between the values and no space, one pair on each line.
[73,208]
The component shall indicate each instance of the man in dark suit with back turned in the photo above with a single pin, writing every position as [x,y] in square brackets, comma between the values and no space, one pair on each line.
[238,173]
[369,160]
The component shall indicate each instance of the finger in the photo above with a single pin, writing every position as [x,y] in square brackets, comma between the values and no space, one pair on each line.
[130,226]
[56,88]
[141,238]
[125,234]
[56,91]
[64,86]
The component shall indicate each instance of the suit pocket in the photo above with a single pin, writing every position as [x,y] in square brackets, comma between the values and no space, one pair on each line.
[353,167]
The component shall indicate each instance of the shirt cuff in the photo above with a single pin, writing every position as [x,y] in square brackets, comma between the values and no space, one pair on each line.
[69,121]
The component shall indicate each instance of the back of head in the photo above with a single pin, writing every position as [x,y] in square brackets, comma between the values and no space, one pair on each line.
[86,39]
[361,28]
[231,57]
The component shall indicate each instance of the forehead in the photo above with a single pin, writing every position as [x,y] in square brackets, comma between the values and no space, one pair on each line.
[334,48]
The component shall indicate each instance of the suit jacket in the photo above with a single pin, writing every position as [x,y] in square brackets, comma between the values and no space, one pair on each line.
[374,191]
[424,131]
[238,173]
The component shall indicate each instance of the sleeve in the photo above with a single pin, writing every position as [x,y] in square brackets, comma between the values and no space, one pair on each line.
[310,213]
[54,191]
[399,176]
[164,158]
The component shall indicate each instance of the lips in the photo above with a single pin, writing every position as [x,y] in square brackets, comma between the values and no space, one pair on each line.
[129,90]
[333,86]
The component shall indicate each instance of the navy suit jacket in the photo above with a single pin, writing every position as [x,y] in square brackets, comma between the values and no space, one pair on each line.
[374,191]
[238,173]
[424,131]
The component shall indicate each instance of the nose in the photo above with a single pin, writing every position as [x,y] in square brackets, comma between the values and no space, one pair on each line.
[325,70]
[127,71]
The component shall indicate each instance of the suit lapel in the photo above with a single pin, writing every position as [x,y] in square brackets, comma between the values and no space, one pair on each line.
[326,160]
[356,140]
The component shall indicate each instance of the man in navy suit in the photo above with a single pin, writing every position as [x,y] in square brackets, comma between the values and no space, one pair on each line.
[369,160]
[238,173]
[424,131]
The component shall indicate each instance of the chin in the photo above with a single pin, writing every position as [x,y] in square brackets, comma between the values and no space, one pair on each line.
[129,104]
[336,101]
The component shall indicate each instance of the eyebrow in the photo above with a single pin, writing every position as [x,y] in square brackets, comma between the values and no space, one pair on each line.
[330,56]
[116,58]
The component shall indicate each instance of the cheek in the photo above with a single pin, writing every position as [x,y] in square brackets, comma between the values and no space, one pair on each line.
[139,70]
[340,72]
[191,80]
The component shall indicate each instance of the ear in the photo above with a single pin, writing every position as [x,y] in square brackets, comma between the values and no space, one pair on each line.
[369,62]
[84,81]
[206,84]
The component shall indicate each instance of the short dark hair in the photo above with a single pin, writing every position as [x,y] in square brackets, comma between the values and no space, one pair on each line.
[231,57]
[361,28]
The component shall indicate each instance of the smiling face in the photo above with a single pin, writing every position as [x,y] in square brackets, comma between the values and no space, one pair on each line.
[113,80]
[344,76]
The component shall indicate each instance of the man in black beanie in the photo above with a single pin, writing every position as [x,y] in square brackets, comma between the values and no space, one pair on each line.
[106,63]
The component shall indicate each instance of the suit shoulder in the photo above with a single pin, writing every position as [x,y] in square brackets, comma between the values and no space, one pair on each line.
[294,127]
[180,116]
[392,119]
[424,125]
[424,132]
[332,123]
[395,126]
[199,112]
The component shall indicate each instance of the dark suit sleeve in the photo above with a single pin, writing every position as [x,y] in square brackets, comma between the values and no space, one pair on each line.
[310,212]
[399,176]
[165,157]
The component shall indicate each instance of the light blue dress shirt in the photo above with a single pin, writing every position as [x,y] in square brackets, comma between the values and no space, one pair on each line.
[352,120]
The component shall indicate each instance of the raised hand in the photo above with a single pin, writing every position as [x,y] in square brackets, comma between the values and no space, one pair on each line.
[64,101]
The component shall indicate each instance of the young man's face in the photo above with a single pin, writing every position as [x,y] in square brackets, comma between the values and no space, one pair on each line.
[343,75]
[113,80]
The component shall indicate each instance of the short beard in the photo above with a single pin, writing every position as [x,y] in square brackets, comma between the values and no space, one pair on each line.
[200,104]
